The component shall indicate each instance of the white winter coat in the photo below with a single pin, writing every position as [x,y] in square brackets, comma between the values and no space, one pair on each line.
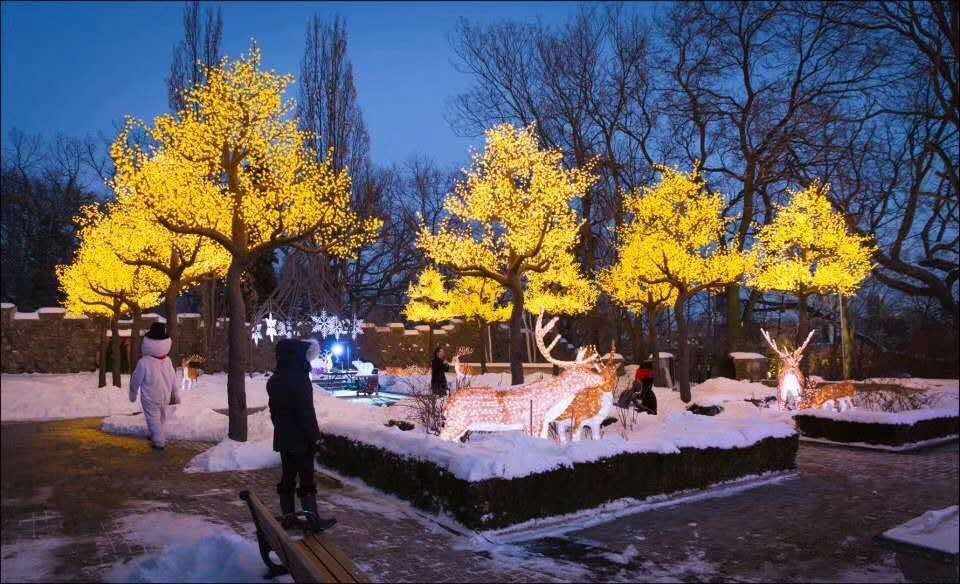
[155,380]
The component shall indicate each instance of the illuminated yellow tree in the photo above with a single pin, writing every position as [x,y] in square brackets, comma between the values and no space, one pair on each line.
[98,284]
[233,167]
[428,301]
[184,260]
[678,227]
[625,283]
[809,250]
[511,217]
[479,300]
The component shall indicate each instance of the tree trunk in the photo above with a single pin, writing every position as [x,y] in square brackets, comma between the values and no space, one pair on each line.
[683,362]
[430,346]
[846,337]
[482,347]
[207,292]
[236,356]
[115,343]
[637,342]
[652,344]
[516,336]
[734,327]
[803,320]
[173,326]
[135,337]
[102,356]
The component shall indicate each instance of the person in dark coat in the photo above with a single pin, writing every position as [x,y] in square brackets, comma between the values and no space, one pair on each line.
[295,429]
[438,372]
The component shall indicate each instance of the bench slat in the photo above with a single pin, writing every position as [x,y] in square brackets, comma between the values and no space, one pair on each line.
[335,551]
[308,568]
[324,557]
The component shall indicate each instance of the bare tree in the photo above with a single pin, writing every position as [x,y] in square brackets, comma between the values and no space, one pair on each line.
[200,48]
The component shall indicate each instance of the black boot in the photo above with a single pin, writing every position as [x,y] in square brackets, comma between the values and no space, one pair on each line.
[287,510]
[309,504]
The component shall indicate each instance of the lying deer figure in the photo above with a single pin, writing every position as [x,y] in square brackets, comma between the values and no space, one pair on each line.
[593,405]
[530,407]
[791,383]
[190,370]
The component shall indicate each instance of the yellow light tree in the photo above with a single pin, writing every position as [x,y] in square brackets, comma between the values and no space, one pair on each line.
[428,301]
[511,217]
[139,240]
[678,227]
[98,284]
[625,283]
[479,300]
[233,167]
[809,250]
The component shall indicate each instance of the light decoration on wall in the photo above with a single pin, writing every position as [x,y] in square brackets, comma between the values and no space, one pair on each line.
[324,324]
[791,383]
[531,407]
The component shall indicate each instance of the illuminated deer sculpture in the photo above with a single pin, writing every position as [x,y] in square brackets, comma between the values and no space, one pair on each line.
[791,385]
[530,407]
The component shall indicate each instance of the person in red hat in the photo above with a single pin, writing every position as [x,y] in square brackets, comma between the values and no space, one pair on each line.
[156,381]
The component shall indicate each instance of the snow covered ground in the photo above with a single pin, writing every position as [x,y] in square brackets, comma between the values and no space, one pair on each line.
[184,548]
[938,529]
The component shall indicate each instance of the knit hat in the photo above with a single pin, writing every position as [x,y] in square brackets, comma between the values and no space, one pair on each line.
[157,332]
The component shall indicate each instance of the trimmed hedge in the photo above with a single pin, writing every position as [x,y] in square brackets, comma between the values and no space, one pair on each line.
[876,433]
[496,503]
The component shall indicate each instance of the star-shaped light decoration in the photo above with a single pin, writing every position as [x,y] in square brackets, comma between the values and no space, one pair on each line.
[356,327]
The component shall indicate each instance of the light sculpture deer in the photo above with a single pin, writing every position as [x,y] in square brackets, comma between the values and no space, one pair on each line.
[530,407]
[791,385]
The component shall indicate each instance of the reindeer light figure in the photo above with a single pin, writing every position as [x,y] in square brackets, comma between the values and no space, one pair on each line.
[791,384]
[530,407]
[190,370]
[462,372]
[593,405]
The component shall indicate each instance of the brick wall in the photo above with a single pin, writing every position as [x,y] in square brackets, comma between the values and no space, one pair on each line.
[53,341]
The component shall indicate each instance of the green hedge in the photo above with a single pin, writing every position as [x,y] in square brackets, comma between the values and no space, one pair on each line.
[496,503]
[876,433]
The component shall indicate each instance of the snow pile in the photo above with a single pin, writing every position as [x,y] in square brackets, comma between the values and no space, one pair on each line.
[744,355]
[720,391]
[183,423]
[31,560]
[185,548]
[938,529]
[257,452]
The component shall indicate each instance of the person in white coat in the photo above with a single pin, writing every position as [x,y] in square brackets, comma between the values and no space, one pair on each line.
[156,381]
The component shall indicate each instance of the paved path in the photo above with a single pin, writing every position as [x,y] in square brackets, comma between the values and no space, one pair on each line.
[67,490]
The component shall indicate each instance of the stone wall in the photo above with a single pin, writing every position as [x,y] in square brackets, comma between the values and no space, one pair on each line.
[52,341]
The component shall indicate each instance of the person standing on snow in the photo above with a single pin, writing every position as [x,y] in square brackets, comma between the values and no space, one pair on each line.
[438,372]
[156,381]
[295,429]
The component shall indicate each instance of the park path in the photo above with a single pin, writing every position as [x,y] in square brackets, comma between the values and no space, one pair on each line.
[67,488]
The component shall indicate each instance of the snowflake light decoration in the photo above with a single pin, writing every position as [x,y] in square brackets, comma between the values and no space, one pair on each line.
[356,327]
[256,335]
[271,324]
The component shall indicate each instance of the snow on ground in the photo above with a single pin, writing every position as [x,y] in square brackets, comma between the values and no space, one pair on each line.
[29,560]
[187,548]
[721,391]
[40,396]
[938,529]
[43,396]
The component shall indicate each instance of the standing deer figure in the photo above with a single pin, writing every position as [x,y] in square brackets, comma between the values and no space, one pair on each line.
[190,370]
[593,405]
[462,371]
[791,383]
[530,407]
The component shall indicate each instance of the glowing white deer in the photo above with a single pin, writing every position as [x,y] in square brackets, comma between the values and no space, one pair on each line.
[530,407]
[790,383]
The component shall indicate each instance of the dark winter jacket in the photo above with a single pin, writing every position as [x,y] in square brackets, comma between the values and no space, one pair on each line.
[438,377]
[294,419]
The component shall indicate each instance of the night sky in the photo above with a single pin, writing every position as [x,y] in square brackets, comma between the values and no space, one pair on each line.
[78,68]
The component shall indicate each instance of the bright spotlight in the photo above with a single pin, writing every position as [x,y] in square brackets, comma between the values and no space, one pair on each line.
[337,349]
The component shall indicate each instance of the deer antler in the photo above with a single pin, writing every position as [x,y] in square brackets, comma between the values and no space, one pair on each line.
[772,343]
[585,355]
[799,352]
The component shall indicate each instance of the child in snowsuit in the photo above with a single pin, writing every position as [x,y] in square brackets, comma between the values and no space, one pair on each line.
[295,429]
[156,381]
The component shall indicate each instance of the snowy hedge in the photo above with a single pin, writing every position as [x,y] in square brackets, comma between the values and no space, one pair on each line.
[878,428]
[499,502]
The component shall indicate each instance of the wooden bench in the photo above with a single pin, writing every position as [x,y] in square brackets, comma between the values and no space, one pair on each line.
[314,558]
